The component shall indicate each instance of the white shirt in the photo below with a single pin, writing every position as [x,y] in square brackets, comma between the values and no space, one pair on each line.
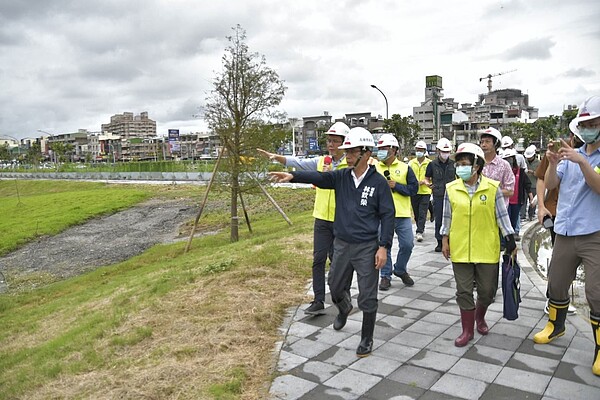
[359,179]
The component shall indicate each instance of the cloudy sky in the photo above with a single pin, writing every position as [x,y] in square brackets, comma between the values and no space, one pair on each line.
[68,65]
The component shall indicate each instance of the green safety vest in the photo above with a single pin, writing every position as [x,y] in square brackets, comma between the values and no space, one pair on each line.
[325,198]
[398,172]
[473,230]
[419,170]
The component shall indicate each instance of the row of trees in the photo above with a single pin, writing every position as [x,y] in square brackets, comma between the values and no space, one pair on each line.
[33,154]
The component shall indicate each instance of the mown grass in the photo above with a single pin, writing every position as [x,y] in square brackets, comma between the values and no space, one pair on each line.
[164,324]
[34,208]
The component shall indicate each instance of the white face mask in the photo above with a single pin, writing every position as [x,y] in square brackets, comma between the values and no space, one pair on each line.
[444,156]
[419,154]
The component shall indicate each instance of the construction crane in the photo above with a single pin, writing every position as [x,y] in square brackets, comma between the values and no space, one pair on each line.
[489,78]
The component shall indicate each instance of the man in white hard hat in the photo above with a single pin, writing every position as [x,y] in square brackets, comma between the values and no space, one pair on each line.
[495,167]
[473,212]
[532,163]
[363,228]
[439,173]
[403,184]
[420,201]
[324,209]
[577,225]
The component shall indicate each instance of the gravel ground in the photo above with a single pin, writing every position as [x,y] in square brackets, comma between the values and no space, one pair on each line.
[101,241]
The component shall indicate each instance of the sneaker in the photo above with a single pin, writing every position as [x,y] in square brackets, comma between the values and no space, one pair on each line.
[385,283]
[315,308]
[406,279]
[419,237]
[517,237]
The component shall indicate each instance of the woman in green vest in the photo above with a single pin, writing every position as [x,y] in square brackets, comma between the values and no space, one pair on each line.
[474,209]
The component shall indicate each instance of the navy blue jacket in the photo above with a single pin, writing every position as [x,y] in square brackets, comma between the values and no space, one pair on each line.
[358,211]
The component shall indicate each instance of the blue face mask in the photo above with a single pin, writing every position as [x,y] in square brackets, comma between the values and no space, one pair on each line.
[419,154]
[589,135]
[464,172]
[382,155]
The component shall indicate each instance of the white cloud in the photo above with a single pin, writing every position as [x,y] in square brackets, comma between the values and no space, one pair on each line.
[68,65]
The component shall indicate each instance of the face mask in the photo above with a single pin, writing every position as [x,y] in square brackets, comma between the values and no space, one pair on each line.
[464,172]
[444,156]
[589,135]
[419,154]
[382,155]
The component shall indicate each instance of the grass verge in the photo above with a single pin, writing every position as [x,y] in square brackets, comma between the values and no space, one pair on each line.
[164,325]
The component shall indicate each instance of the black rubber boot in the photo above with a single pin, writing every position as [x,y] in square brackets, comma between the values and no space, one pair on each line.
[344,306]
[557,314]
[595,320]
[365,347]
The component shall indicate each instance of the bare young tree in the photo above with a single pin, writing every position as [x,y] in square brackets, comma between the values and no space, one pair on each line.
[240,107]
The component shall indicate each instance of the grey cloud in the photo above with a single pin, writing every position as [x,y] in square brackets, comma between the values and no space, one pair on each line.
[535,49]
[579,73]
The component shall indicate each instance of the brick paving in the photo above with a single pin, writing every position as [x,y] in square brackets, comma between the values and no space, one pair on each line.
[414,356]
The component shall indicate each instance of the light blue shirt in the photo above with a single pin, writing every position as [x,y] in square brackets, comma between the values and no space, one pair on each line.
[578,207]
[309,164]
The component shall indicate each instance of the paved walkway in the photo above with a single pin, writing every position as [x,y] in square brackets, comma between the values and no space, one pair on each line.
[414,356]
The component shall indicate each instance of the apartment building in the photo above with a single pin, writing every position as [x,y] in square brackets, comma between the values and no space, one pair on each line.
[443,117]
[136,133]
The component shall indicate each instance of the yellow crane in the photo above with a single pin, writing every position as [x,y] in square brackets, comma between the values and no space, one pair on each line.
[489,78]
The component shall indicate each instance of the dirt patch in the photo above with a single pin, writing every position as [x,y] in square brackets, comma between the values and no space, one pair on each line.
[101,241]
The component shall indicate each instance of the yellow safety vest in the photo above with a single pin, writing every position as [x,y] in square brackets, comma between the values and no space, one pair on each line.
[398,172]
[473,230]
[325,198]
[419,170]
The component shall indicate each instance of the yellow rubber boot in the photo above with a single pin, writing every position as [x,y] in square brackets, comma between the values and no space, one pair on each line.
[557,313]
[595,320]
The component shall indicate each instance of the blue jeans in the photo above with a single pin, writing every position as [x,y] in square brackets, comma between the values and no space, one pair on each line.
[403,229]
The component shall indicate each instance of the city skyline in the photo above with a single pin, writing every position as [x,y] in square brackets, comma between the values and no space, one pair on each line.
[66,66]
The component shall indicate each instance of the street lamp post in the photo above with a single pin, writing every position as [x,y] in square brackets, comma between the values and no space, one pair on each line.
[293,123]
[386,102]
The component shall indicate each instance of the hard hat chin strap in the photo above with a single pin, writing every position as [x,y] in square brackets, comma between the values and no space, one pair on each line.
[362,152]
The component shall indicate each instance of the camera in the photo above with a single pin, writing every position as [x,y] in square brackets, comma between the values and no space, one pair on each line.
[547,222]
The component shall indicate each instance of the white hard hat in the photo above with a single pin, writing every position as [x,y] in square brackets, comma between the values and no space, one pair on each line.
[590,109]
[500,152]
[338,129]
[530,151]
[358,137]
[387,139]
[470,148]
[507,141]
[444,145]
[492,132]
[509,153]
[421,145]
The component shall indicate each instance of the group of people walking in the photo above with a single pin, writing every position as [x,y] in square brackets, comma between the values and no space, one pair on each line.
[361,201]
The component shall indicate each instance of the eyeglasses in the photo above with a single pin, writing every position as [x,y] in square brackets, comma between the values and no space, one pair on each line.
[334,141]
[352,151]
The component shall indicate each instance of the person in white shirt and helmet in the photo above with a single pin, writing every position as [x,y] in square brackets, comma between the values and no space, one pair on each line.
[324,209]
[363,226]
